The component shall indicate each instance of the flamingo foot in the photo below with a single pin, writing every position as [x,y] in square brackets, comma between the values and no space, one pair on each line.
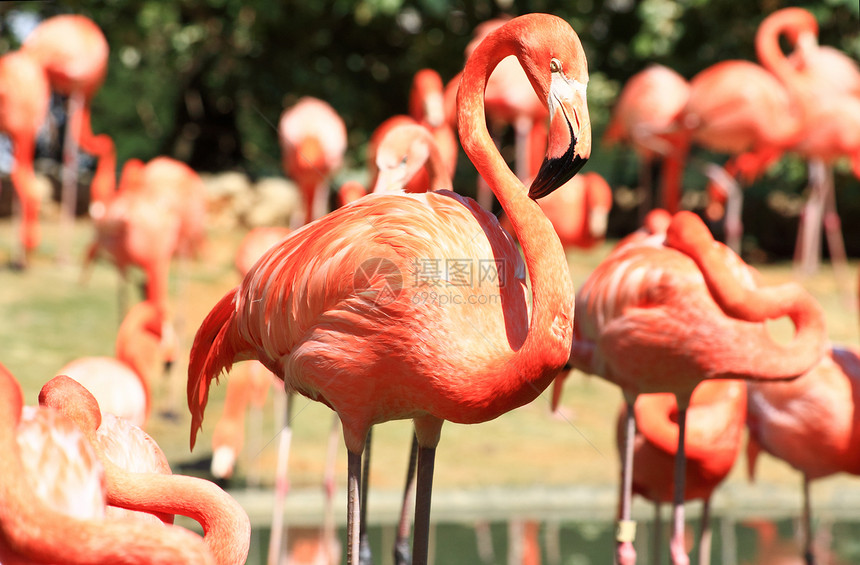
[364,555]
[678,551]
[625,554]
[402,554]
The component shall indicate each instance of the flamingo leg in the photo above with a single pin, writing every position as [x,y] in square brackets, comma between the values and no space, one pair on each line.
[69,191]
[646,187]
[353,508]
[278,538]
[522,129]
[657,538]
[677,546]
[421,539]
[484,541]
[26,203]
[320,203]
[808,553]
[18,252]
[835,241]
[364,556]
[401,543]
[734,204]
[625,554]
[808,252]
[705,534]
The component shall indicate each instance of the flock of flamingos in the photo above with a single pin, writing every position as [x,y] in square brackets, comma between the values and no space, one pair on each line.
[410,301]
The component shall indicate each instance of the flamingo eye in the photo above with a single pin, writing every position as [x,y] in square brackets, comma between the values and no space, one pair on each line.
[555,65]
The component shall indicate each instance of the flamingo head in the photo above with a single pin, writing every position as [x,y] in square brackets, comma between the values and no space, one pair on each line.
[402,152]
[554,61]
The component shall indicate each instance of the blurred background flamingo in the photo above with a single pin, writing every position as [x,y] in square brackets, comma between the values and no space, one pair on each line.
[74,53]
[24,97]
[313,143]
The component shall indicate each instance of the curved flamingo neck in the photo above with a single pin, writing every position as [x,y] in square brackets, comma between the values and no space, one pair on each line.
[437,169]
[688,234]
[103,186]
[790,21]
[547,344]
[226,529]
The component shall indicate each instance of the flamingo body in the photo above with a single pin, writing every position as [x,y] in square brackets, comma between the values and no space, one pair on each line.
[388,227]
[736,106]
[121,384]
[645,109]
[158,212]
[816,411]
[73,51]
[115,385]
[313,142]
[664,313]
[642,116]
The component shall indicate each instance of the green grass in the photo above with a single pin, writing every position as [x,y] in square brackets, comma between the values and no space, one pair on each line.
[49,318]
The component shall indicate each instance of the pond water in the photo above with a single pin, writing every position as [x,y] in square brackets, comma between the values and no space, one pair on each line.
[746,542]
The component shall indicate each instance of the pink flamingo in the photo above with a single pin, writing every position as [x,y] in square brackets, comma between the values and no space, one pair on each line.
[313,143]
[137,478]
[158,212]
[74,53]
[716,419]
[664,316]
[724,118]
[53,497]
[24,98]
[642,114]
[359,321]
[832,117]
[811,423]
[121,384]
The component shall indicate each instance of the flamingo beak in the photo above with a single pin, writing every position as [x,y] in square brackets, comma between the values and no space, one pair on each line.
[569,143]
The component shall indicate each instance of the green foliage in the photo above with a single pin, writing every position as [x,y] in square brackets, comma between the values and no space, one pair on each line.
[206,80]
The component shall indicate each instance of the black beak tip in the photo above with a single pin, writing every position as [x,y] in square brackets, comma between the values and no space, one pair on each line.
[555,172]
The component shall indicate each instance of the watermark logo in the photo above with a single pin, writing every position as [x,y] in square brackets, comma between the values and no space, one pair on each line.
[378,281]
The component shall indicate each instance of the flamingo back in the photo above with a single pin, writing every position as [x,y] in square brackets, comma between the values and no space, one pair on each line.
[62,466]
[24,95]
[646,107]
[73,51]
[735,106]
[117,388]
